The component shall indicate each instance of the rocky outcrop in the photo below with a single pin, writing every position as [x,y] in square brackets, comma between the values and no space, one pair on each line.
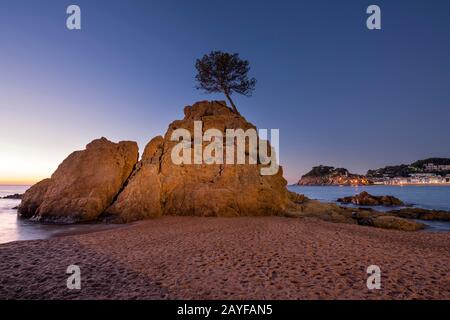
[15,196]
[325,211]
[366,199]
[389,222]
[297,198]
[422,214]
[33,198]
[160,187]
[84,184]
[365,217]
[330,176]
[106,181]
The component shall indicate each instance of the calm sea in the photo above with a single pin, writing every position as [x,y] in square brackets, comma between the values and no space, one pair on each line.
[13,229]
[429,197]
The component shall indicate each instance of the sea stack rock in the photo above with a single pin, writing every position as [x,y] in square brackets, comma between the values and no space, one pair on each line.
[330,176]
[107,181]
[84,184]
[160,187]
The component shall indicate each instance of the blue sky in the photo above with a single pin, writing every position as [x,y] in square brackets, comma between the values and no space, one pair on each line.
[340,94]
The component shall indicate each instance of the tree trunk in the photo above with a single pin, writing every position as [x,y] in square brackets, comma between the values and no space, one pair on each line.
[235,110]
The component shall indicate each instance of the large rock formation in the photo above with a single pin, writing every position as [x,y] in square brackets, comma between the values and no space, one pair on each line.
[160,187]
[106,179]
[84,184]
[330,176]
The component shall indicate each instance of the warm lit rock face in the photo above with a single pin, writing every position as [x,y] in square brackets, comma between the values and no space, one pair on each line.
[141,197]
[329,176]
[107,180]
[160,187]
[218,190]
[84,184]
[33,198]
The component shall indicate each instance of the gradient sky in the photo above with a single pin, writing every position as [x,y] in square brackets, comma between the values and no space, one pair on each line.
[340,94]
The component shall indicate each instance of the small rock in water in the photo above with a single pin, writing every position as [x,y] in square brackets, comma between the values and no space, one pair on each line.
[366,199]
[13,196]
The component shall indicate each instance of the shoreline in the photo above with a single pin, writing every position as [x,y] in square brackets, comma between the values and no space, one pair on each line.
[105,227]
[229,258]
[433,198]
[86,228]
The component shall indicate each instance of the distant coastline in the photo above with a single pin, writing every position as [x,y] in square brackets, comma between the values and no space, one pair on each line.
[415,185]
[380,185]
[431,171]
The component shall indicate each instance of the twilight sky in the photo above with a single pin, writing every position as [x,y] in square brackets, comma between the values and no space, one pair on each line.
[340,94]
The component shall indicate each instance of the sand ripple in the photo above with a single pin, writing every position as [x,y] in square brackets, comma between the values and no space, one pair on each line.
[230,258]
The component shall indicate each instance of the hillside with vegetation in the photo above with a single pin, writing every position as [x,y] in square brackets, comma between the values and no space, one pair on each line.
[330,176]
[405,170]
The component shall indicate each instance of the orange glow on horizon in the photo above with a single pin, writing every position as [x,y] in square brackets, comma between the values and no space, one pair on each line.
[20,181]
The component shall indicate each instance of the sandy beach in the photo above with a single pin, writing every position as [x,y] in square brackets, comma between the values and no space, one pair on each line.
[230,258]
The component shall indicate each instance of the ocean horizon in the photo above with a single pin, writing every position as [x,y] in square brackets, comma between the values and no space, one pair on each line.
[13,228]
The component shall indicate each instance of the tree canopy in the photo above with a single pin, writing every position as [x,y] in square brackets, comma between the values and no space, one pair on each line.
[224,72]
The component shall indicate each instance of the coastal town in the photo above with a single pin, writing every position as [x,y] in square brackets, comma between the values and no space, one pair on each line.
[429,174]
[415,179]
[432,171]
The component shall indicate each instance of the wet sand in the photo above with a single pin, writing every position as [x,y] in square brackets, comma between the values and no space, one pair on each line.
[230,258]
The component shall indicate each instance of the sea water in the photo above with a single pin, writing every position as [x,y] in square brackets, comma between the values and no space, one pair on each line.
[15,229]
[426,196]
